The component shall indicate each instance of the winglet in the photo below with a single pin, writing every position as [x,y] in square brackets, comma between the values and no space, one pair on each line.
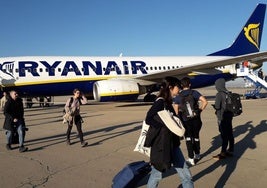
[249,39]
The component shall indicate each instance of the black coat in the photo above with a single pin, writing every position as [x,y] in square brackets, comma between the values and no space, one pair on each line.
[13,109]
[161,140]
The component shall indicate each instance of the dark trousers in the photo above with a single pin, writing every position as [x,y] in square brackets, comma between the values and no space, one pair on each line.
[226,130]
[77,121]
[192,129]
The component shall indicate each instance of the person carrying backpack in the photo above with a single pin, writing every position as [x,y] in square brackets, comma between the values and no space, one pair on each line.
[224,118]
[186,105]
[72,109]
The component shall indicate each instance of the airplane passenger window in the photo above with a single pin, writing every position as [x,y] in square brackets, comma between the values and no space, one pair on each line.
[155,68]
[59,69]
[169,68]
[151,68]
[41,70]
[164,68]
[159,68]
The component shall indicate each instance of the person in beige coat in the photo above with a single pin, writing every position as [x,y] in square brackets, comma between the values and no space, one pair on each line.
[72,116]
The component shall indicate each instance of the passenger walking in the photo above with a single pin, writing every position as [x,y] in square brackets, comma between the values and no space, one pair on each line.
[224,119]
[72,109]
[165,145]
[260,74]
[187,106]
[14,120]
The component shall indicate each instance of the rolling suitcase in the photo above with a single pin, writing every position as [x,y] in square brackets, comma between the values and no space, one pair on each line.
[131,174]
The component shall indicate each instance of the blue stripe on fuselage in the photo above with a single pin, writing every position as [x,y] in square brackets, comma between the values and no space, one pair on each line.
[87,86]
[208,80]
[65,88]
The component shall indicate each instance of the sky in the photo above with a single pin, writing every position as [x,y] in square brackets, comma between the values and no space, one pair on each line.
[127,27]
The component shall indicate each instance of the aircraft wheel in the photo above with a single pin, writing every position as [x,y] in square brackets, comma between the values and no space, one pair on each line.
[150,98]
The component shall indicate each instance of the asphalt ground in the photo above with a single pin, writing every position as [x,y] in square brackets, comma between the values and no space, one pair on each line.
[111,130]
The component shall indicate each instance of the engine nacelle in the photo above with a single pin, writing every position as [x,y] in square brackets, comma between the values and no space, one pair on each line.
[115,90]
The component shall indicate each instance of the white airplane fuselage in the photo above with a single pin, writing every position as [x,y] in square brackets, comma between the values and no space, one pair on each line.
[36,71]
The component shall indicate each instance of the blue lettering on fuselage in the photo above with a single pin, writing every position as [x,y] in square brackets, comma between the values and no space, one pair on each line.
[131,67]
[97,68]
[112,66]
[51,68]
[27,65]
[138,65]
[70,66]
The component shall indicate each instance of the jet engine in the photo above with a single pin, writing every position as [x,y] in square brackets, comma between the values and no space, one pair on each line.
[116,90]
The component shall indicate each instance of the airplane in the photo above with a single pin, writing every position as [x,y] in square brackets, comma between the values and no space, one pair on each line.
[125,78]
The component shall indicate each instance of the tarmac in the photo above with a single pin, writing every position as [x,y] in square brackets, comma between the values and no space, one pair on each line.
[112,130]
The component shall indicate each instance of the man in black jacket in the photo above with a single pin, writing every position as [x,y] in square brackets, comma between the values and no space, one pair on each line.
[14,120]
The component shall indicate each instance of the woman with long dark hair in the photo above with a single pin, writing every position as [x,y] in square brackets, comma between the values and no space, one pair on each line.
[165,145]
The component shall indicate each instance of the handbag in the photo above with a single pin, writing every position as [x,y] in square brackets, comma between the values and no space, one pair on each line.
[173,123]
[141,141]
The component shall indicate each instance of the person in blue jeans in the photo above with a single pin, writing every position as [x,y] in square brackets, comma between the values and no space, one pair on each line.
[14,120]
[165,145]
[181,168]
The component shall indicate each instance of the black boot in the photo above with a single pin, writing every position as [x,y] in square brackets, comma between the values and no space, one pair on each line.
[8,147]
[22,149]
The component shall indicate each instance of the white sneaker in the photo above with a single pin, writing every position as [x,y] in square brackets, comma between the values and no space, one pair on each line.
[191,161]
[197,156]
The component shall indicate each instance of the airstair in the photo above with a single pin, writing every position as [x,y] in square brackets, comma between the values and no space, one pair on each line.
[258,82]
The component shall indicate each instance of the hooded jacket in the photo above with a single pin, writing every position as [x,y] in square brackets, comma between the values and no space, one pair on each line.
[220,99]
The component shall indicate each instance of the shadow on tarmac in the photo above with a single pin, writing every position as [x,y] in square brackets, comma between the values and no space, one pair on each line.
[61,138]
[111,135]
[241,146]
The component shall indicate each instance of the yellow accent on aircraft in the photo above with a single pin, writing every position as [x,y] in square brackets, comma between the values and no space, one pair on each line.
[252,34]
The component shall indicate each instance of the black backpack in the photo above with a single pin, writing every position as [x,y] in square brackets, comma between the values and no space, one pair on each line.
[233,103]
[189,106]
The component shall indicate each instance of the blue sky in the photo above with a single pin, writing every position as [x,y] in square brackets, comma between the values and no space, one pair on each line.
[130,27]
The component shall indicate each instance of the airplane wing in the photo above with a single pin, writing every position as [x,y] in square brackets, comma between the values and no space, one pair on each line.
[258,57]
